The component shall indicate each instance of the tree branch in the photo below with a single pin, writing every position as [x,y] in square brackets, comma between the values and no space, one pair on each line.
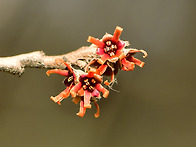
[16,64]
[38,59]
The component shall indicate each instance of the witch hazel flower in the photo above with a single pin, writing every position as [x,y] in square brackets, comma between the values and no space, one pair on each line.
[128,62]
[109,47]
[89,86]
[85,86]
[69,81]
[108,68]
[82,109]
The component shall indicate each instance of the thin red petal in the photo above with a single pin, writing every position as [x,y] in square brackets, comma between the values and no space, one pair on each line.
[136,51]
[82,109]
[87,97]
[127,66]
[58,71]
[112,80]
[136,61]
[68,65]
[102,69]
[64,94]
[95,41]
[98,110]
[100,61]
[117,33]
[75,89]
[90,63]
[95,93]
[105,57]
[105,92]
[81,92]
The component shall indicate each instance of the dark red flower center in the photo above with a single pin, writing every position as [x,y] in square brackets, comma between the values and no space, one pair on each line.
[69,79]
[110,48]
[88,83]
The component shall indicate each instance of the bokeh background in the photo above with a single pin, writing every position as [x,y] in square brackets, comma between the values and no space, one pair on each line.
[156,105]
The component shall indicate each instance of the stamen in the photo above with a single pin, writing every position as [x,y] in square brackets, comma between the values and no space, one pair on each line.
[112,54]
[70,78]
[91,88]
[113,46]
[107,49]
[87,83]
[108,43]
[84,86]
[93,81]
[86,80]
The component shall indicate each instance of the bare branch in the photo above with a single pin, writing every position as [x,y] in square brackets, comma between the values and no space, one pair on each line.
[38,59]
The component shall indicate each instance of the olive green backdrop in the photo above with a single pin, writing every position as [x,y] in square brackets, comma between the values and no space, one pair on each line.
[156,106]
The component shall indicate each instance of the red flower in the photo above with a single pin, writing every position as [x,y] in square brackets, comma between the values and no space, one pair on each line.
[128,62]
[108,68]
[68,81]
[110,46]
[82,109]
[89,86]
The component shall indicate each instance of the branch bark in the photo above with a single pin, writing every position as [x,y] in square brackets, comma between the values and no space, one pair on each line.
[38,59]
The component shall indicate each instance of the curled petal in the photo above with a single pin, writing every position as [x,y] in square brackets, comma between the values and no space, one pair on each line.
[58,71]
[75,89]
[64,94]
[136,51]
[117,33]
[82,109]
[58,60]
[136,61]
[87,97]
[90,63]
[81,92]
[102,69]
[112,80]
[100,88]
[98,78]
[95,41]
[127,66]
[95,93]
[98,111]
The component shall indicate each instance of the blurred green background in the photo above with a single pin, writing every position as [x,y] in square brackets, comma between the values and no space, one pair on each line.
[156,106]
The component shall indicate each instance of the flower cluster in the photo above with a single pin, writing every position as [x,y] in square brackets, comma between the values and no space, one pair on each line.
[85,86]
